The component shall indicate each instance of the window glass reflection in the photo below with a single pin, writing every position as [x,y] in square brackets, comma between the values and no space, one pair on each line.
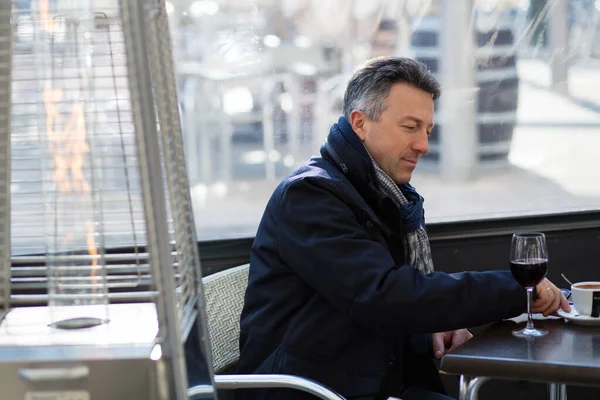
[262,81]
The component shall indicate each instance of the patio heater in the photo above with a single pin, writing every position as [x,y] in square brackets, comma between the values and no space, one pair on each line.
[90,138]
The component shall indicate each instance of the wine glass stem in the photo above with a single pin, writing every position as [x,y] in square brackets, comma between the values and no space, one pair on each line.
[529,314]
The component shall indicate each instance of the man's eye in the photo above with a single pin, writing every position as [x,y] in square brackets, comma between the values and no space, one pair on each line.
[410,127]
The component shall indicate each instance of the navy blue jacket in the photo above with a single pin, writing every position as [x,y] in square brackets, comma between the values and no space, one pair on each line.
[330,296]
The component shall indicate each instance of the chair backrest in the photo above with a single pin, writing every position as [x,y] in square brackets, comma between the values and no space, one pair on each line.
[224,298]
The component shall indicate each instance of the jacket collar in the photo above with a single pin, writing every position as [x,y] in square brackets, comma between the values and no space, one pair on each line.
[345,150]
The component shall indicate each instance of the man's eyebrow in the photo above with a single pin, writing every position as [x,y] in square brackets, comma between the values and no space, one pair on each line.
[416,119]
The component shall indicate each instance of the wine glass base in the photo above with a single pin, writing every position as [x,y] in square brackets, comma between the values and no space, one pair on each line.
[529,332]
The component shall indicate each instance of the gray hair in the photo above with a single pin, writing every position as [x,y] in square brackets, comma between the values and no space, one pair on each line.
[370,85]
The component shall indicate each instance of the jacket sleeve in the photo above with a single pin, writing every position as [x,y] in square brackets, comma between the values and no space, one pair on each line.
[323,242]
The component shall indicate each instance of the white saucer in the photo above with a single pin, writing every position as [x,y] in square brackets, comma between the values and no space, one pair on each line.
[575,318]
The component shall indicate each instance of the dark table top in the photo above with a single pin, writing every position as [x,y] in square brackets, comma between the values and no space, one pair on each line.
[568,354]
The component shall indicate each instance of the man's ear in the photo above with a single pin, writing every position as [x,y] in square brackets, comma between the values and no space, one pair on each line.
[358,120]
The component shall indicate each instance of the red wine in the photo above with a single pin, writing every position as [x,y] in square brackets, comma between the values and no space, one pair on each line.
[529,272]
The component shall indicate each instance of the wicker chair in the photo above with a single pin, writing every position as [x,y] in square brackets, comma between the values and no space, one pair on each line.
[224,298]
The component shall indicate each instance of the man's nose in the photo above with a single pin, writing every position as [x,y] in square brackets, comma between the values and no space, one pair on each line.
[421,143]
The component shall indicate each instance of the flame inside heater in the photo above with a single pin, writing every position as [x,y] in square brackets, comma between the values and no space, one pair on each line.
[69,146]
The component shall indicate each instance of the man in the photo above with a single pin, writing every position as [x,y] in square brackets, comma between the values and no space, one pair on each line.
[342,288]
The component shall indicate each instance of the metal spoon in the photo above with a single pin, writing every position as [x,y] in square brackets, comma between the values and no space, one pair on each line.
[567,292]
[565,278]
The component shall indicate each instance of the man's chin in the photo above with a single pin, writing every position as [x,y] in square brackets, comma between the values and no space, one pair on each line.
[401,180]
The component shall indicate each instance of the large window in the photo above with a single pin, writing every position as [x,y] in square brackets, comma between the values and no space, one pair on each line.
[262,81]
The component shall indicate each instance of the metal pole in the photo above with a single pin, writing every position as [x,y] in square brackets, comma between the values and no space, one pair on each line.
[192,309]
[225,141]
[205,140]
[557,391]
[458,108]
[469,386]
[559,45]
[268,130]
[552,391]
[6,55]
[272,381]
[190,90]
[294,120]
[562,391]
[135,28]
[403,28]
[475,385]
[463,387]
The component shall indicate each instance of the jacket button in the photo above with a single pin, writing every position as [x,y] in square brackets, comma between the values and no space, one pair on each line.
[369,224]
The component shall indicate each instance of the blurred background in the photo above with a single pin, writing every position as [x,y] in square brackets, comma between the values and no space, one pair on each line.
[261,81]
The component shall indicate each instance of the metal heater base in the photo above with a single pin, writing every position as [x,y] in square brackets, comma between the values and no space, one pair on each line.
[118,360]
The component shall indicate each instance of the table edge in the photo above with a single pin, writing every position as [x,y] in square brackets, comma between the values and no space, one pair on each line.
[480,366]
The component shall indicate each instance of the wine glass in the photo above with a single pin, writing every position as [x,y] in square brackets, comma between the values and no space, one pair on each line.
[529,265]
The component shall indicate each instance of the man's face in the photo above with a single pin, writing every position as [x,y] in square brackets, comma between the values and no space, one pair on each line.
[400,138]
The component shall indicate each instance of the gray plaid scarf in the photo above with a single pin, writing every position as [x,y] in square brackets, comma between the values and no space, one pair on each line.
[416,242]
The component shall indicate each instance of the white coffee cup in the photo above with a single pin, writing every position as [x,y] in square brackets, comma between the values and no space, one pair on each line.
[586,298]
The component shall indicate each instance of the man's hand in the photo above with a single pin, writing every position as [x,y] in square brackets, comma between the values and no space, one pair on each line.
[444,342]
[549,299]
